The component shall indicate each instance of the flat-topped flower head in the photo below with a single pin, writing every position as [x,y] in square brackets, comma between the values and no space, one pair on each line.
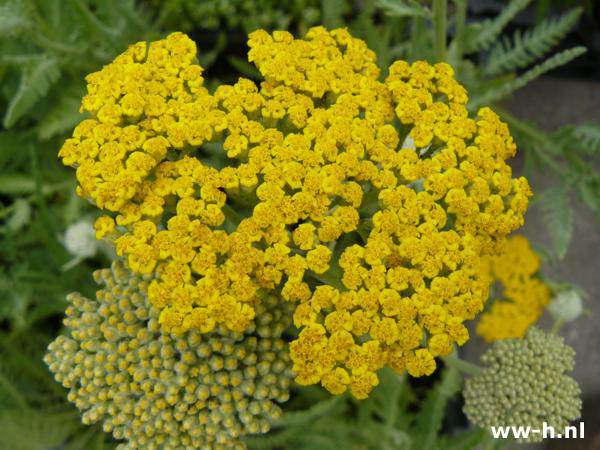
[366,204]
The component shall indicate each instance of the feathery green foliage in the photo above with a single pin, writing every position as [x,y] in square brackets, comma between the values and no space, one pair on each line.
[587,135]
[429,421]
[47,47]
[526,47]
[34,412]
[558,215]
[404,8]
[508,87]
[484,34]
[38,74]
[55,40]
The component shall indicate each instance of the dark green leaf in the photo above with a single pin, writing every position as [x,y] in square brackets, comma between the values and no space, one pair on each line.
[507,88]
[13,19]
[558,216]
[16,184]
[484,34]
[36,79]
[245,68]
[300,417]
[431,415]
[587,136]
[404,8]
[61,117]
[463,441]
[531,45]
[20,216]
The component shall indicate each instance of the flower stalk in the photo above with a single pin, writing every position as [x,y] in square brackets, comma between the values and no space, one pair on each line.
[439,21]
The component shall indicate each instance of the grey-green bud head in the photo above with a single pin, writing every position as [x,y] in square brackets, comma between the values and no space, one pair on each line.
[164,391]
[525,383]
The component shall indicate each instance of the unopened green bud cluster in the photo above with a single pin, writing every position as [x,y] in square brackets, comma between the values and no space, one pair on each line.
[166,391]
[524,384]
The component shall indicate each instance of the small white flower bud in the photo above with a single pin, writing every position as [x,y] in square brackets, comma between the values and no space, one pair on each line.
[80,239]
[566,306]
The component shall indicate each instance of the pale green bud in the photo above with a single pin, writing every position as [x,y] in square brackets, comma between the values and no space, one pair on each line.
[524,384]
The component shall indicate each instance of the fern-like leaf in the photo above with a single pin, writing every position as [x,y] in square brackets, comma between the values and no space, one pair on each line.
[463,441]
[484,34]
[507,88]
[587,136]
[36,79]
[13,19]
[61,117]
[32,429]
[9,391]
[294,418]
[589,192]
[404,8]
[429,420]
[558,216]
[273,439]
[531,45]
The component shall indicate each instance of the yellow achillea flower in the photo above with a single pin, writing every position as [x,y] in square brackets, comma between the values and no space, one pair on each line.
[524,294]
[322,200]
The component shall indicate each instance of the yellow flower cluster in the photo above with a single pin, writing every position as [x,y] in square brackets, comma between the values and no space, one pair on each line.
[523,294]
[322,200]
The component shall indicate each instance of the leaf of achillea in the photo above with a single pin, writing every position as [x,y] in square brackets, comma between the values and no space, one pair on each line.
[36,79]
[558,216]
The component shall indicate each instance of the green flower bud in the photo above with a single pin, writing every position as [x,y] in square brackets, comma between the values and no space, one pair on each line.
[168,391]
[524,384]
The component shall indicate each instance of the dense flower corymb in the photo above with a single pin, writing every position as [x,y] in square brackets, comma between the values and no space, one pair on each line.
[524,294]
[157,390]
[315,196]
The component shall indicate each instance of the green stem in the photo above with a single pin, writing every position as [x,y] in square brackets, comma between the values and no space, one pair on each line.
[89,15]
[430,151]
[231,214]
[415,37]
[556,326]
[439,23]
[462,365]
[43,41]
[461,20]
